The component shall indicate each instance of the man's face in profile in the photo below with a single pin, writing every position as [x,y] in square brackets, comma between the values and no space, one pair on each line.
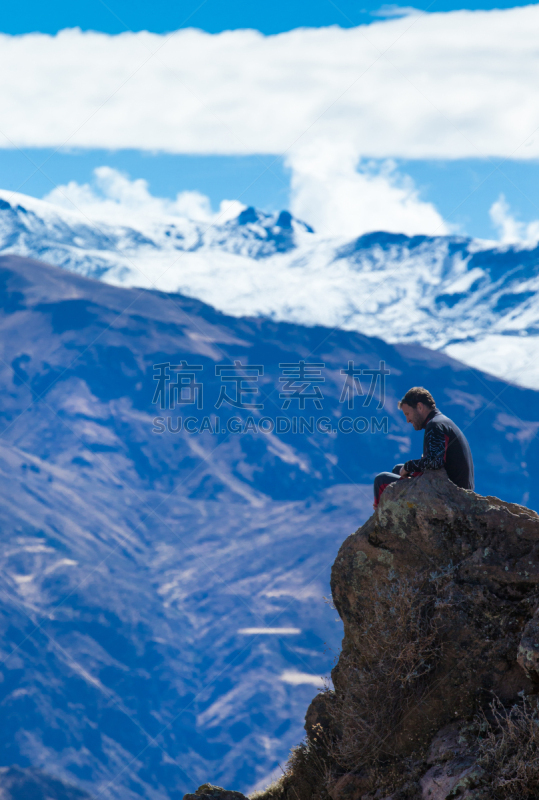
[415,416]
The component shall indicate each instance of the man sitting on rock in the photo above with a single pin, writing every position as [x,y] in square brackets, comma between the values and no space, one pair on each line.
[444,445]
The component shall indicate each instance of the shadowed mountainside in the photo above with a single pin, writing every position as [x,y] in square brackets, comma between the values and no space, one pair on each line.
[138,567]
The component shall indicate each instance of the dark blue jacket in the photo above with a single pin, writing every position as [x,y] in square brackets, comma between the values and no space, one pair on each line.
[445,446]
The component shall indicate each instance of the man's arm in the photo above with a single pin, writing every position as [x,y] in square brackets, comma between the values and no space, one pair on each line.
[434,457]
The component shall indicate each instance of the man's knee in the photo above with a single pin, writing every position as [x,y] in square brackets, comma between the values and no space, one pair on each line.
[386,477]
[397,469]
[381,482]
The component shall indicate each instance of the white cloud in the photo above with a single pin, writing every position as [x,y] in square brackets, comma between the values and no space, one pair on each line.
[113,197]
[433,85]
[335,198]
[455,85]
[298,678]
[511,230]
[269,631]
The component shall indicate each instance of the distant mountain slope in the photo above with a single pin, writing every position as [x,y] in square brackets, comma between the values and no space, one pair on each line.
[477,301]
[29,784]
[138,567]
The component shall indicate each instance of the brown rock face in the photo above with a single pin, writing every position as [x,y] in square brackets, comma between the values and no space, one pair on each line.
[436,691]
[350,787]
[452,765]
[476,561]
[528,651]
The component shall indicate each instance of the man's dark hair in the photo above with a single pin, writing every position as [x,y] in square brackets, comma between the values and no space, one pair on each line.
[418,395]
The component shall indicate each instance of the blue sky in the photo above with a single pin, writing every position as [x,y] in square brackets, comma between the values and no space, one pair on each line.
[213,16]
[462,190]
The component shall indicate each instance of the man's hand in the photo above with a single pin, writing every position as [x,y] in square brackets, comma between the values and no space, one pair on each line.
[403,473]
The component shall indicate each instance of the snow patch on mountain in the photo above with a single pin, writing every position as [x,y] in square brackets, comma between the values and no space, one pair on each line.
[476,300]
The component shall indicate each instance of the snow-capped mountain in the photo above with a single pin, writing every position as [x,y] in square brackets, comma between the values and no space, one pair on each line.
[477,301]
[163,621]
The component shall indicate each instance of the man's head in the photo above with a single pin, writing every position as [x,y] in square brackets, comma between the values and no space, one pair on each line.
[416,405]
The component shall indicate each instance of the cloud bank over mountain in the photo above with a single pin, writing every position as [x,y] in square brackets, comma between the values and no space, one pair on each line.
[112,196]
[420,86]
[336,199]
[510,229]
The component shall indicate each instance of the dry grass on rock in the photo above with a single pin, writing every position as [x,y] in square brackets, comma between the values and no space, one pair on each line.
[400,644]
[509,751]
[305,776]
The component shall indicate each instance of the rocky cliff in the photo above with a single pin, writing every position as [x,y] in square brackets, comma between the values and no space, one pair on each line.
[434,693]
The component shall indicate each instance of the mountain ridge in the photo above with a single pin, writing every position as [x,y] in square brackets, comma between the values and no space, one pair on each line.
[478,301]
